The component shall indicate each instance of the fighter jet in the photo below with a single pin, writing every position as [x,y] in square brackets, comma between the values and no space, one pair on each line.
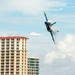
[49,25]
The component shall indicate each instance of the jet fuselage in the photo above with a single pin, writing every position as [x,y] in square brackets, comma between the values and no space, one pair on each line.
[48,26]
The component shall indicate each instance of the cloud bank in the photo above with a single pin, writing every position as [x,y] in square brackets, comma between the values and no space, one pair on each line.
[29,6]
[66,48]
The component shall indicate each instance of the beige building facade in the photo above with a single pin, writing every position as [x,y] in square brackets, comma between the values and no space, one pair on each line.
[13,55]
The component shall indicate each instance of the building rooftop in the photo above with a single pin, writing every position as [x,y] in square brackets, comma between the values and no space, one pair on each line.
[34,57]
[12,37]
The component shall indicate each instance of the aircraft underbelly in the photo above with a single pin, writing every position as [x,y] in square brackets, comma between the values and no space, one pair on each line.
[48,28]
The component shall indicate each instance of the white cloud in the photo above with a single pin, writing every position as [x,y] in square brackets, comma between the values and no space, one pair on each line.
[50,57]
[66,48]
[56,9]
[29,6]
[34,34]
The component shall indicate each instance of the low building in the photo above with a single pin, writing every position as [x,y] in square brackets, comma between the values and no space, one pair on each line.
[33,66]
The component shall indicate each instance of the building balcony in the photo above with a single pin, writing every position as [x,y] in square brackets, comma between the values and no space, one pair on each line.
[7,61]
[7,70]
[2,51]
[2,64]
[7,64]
[11,73]
[2,48]
[7,55]
[2,57]
[3,43]
[2,70]
[11,67]
[7,43]
[11,61]
[2,67]
[2,61]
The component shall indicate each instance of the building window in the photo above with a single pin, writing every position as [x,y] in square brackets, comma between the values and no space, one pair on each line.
[2,72]
[17,72]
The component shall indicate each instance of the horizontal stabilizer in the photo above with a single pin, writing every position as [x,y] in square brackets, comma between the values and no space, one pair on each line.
[54,31]
[53,23]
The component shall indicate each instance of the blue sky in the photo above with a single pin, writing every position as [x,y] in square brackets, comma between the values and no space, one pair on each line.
[26,18]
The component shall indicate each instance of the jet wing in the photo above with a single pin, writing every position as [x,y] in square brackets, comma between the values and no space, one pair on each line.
[45,16]
[52,37]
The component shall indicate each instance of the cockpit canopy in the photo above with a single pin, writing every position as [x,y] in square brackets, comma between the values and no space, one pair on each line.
[50,21]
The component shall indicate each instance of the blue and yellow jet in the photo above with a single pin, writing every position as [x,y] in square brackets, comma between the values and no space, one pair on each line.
[48,24]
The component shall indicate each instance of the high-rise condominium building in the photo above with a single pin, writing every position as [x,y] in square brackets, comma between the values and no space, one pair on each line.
[33,66]
[13,55]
